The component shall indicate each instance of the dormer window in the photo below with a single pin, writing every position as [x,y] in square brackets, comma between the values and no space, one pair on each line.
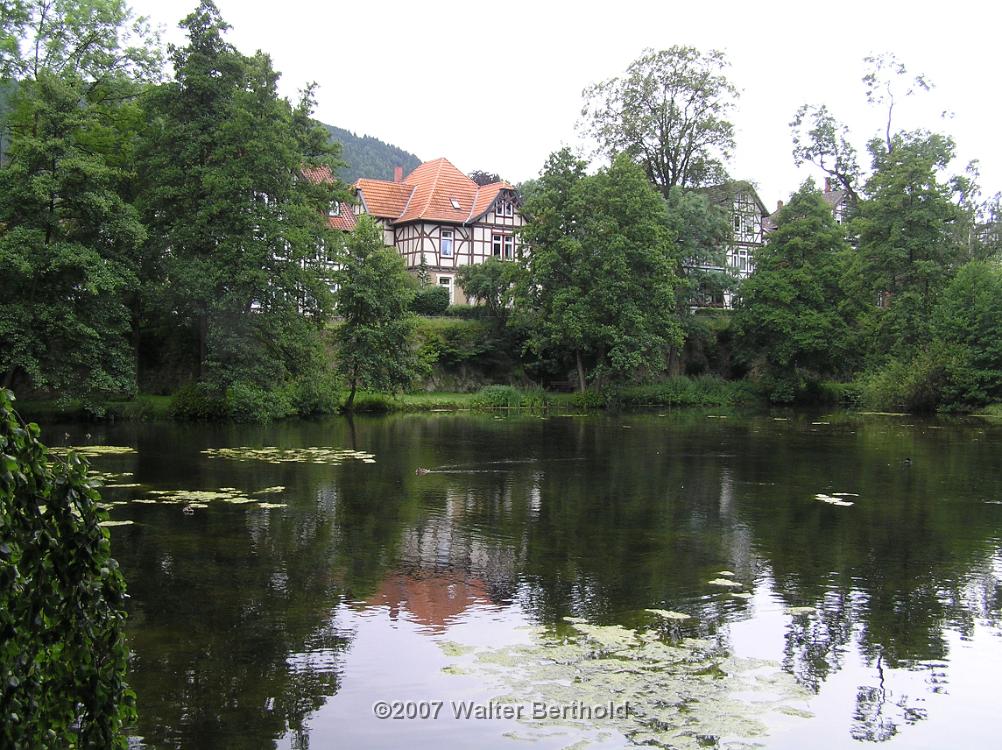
[455,203]
[334,209]
[505,208]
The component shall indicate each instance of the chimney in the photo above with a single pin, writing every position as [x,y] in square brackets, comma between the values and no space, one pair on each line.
[779,205]
[398,174]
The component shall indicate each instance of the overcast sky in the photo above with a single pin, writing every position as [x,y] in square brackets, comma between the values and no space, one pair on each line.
[497,86]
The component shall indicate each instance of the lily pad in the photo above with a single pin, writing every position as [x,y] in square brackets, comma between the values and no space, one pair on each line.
[741,595]
[725,582]
[116,523]
[668,614]
[795,611]
[274,455]
[92,451]
[679,691]
[272,505]
[726,573]
[270,490]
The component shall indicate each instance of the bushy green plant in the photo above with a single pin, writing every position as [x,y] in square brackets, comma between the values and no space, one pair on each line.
[315,393]
[431,300]
[247,402]
[497,397]
[197,401]
[589,399]
[63,657]
[914,384]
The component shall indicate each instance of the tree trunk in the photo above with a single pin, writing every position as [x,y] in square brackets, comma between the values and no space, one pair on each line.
[581,373]
[203,332]
[351,396]
[674,362]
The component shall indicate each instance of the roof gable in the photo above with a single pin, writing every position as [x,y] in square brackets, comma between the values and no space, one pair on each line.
[434,191]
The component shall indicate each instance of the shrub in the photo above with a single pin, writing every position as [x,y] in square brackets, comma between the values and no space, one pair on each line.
[497,397]
[914,385]
[431,300]
[246,402]
[197,401]
[63,657]
[316,393]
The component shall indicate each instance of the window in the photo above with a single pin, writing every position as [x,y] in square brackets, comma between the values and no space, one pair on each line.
[496,242]
[446,282]
[509,247]
[505,208]
[335,209]
[446,243]
[737,223]
[455,203]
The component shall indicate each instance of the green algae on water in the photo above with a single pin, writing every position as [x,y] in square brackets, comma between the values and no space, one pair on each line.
[274,455]
[685,694]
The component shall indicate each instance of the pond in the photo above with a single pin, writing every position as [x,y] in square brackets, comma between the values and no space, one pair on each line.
[675,579]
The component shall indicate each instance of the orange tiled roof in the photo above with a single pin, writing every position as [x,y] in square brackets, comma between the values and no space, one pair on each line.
[345,220]
[427,193]
[382,198]
[486,196]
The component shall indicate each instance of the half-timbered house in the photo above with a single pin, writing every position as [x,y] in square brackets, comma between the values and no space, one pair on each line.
[440,218]
[747,216]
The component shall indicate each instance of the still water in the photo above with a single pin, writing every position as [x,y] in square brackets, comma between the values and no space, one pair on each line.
[525,565]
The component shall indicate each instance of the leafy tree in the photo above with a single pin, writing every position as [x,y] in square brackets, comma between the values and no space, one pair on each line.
[821,140]
[373,300]
[701,230]
[669,112]
[968,326]
[235,197]
[600,285]
[63,658]
[484,178]
[909,246]
[884,80]
[491,284]
[430,300]
[787,318]
[69,240]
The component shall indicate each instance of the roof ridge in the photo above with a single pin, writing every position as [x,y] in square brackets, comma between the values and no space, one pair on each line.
[433,187]
[410,197]
[473,206]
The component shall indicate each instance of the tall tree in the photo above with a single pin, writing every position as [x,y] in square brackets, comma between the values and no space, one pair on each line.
[373,301]
[600,284]
[69,240]
[788,319]
[481,177]
[909,246]
[967,324]
[669,112]
[235,209]
[821,140]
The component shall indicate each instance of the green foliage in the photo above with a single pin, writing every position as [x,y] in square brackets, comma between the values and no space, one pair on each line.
[908,246]
[236,233]
[374,297]
[196,402]
[70,243]
[686,391]
[669,112]
[492,284]
[913,384]
[968,326]
[498,397]
[63,658]
[430,300]
[787,321]
[365,156]
[600,284]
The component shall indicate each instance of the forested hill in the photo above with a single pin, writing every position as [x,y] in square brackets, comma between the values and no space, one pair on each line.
[369,157]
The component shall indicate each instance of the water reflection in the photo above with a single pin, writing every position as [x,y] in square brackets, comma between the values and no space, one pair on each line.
[251,625]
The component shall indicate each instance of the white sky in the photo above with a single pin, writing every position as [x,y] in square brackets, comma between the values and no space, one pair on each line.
[497,86]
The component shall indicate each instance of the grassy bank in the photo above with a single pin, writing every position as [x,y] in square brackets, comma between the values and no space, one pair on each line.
[678,392]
